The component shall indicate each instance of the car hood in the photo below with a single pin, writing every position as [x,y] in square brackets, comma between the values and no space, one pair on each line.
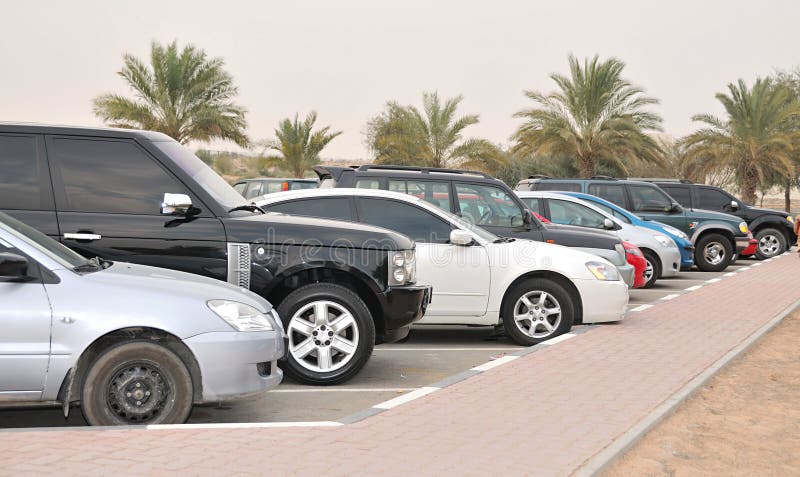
[574,236]
[711,215]
[280,229]
[152,281]
[780,213]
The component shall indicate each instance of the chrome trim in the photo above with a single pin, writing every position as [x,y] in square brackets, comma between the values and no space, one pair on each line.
[77,236]
[239,264]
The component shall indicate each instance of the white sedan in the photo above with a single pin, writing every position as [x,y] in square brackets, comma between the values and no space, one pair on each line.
[661,253]
[536,290]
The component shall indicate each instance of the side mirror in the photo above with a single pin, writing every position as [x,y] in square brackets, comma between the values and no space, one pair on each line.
[176,204]
[734,206]
[674,207]
[13,266]
[460,237]
[608,224]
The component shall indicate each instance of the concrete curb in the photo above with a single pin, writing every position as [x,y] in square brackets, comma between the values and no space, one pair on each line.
[600,461]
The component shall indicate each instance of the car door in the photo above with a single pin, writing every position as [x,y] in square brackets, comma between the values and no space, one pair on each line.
[108,196]
[571,213]
[26,192]
[460,275]
[651,203]
[25,322]
[712,199]
[491,208]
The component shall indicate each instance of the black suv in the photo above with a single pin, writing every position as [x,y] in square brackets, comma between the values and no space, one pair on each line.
[772,229]
[480,199]
[141,197]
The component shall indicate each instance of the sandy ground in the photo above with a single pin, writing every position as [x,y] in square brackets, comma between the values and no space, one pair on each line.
[745,421]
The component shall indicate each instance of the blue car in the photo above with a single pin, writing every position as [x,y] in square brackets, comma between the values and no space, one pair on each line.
[680,238]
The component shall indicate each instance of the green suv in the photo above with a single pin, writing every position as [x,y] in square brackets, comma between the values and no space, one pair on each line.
[718,238]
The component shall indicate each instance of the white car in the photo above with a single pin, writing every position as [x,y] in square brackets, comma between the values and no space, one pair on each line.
[661,253]
[537,290]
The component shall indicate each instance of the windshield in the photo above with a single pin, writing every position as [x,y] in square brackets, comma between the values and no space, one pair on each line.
[61,254]
[210,181]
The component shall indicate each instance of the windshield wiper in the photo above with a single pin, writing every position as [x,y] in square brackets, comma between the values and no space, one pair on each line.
[248,207]
[504,239]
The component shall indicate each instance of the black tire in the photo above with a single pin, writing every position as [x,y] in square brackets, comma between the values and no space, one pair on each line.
[515,330]
[721,243]
[770,243]
[129,371]
[655,263]
[301,369]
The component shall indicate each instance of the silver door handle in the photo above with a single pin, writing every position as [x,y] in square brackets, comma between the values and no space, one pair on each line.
[83,236]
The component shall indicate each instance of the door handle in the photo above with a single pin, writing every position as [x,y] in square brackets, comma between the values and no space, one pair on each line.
[81,236]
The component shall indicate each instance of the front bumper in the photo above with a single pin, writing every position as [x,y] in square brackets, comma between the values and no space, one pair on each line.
[742,243]
[602,300]
[687,256]
[751,249]
[237,364]
[627,273]
[671,261]
[401,307]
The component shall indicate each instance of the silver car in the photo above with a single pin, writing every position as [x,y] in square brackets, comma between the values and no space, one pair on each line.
[133,344]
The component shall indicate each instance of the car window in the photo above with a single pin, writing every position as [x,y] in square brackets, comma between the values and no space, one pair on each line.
[533,203]
[254,189]
[337,208]
[20,175]
[408,219]
[368,184]
[270,187]
[436,193]
[240,187]
[488,205]
[649,199]
[564,186]
[297,185]
[614,193]
[570,213]
[682,195]
[712,199]
[617,214]
[111,177]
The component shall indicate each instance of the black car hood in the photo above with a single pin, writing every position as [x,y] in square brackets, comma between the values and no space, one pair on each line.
[279,229]
[769,211]
[574,236]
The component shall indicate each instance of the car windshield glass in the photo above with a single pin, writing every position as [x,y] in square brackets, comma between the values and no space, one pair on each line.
[198,170]
[61,254]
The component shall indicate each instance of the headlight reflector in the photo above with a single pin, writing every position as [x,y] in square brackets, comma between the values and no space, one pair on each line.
[241,317]
[402,267]
[602,271]
[663,240]
[743,227]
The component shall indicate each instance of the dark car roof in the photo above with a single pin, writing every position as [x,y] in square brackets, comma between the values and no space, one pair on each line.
[36,128]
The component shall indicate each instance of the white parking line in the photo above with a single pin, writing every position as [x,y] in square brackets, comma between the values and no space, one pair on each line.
[756,264]
[729,274]
[696,287]
[500,361]
[244,425]
[742,269]
[342,390]
[558,339]
[406,398]
[714,280]
[670,297]
[641,307]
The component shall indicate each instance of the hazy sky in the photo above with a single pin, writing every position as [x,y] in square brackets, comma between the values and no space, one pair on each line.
[345,59]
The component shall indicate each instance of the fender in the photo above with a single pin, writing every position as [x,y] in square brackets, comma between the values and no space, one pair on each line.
[359,274]
[773,221]
[720,227]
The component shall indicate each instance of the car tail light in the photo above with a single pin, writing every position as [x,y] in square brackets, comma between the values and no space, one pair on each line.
[285,185]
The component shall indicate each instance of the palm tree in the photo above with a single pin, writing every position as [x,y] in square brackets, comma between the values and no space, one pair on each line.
[758,137]
[182,94]
[596,117]
[404,135]
[299,146]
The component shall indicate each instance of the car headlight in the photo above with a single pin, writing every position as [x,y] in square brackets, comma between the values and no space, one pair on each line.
[676,232]
[743,227]
[402,267]
[240,316]
[602,271]
[663,240]
[790,219]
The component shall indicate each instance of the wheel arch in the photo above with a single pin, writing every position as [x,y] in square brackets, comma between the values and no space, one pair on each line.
[72,382]
[718,229]
[556,277]
[762,223]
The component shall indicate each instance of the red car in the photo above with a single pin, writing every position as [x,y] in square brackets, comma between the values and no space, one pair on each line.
[636,259]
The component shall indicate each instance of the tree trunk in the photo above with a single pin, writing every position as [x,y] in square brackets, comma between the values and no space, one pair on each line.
[586,167]
[749,186]
[787,195]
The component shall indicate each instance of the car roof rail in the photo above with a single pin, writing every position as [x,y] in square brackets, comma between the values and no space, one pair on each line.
[539,176]
[423,170]
[658,179]
[333,172]
[604,178]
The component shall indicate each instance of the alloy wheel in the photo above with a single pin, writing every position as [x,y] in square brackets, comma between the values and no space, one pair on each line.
[537,314]
[648,271]
[714,253]
[769,245]
[323,336]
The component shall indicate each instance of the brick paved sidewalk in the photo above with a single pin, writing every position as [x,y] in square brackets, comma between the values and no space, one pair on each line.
[545,413]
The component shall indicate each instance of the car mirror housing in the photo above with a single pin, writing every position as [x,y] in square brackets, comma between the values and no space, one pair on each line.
[734,206]
[176,204]
[13,266]
[608,224]
[460,237]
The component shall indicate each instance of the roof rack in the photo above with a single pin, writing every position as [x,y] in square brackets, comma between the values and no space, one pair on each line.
[604,178]
[656,179]
[539,176]
[424,170]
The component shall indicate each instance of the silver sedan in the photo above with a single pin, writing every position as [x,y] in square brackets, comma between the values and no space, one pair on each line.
[133,344]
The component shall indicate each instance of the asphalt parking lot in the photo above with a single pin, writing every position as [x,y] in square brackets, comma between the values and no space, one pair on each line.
[430,354]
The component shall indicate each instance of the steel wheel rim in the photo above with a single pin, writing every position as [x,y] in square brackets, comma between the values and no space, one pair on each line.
[537,314]
[714,253]
[648,270]
[137,392]
[323,336]
[769,245]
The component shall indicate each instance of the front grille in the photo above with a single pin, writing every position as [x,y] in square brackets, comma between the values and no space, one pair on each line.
[239,264]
